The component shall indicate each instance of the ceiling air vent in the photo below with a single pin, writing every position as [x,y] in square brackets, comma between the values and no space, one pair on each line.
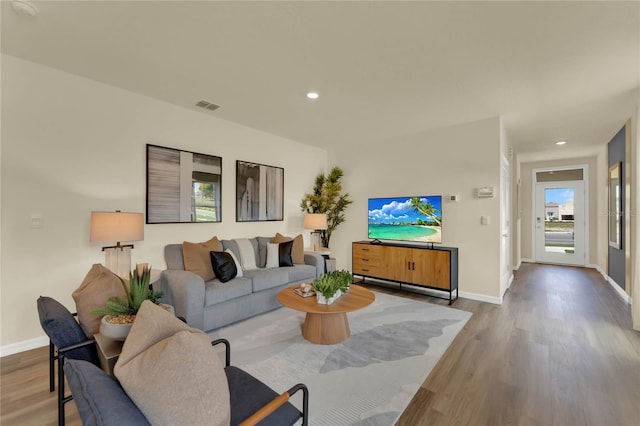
[208,105]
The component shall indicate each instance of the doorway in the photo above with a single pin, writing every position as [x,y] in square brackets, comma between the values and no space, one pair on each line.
[560,219]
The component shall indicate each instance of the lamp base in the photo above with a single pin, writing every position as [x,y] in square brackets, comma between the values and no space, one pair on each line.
[118,260]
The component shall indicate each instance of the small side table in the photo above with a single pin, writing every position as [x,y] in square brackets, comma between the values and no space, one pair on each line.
[108,352]
[329,263]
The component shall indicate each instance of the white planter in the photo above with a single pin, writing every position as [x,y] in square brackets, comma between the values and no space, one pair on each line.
[324,301]
[114,331]
[121,331]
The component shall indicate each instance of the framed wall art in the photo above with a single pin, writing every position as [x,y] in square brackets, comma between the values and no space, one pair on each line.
[259,192]
[615,206]
[183,186]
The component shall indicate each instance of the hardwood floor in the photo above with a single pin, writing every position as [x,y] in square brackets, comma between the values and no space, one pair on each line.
[560,350]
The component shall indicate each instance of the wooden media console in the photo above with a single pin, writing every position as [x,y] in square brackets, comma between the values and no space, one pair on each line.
[413,264]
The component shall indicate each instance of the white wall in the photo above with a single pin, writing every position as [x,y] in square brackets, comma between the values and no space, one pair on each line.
[72,145]
[453,160]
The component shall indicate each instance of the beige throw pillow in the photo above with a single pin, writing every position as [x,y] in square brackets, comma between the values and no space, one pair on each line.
[172,372]
[197,259]
[297,252]
[98,286]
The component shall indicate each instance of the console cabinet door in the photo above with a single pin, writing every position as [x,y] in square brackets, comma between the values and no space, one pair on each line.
[398,264]
[431,267]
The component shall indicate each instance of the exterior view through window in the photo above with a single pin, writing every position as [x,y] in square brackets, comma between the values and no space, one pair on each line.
[559,235]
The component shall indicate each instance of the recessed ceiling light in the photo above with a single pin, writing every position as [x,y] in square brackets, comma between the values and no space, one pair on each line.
[561,142]
[312,95]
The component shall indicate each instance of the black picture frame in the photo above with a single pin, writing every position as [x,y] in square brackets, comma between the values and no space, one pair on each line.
[183,186]
[259,192]
[615,205]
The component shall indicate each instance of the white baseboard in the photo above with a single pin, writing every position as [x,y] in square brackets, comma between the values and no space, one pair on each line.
[527,260]
[480,297]
[613,284]
[516,267]
[25,345]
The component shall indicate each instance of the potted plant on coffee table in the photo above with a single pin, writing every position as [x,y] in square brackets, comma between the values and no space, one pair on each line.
[120,312]
[330,286]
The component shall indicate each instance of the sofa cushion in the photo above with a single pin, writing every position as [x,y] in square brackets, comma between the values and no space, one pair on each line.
[223,265]
[262,250]
[263,279]
[99,398]
[301,273]
[98,286]
[242,384]
[177,362]
[217,292]
[197,258]
[297,252]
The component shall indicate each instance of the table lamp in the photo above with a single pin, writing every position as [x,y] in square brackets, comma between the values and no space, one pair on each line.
[316,222]
[117,226]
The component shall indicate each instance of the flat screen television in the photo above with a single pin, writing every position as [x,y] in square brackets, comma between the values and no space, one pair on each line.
[417,218]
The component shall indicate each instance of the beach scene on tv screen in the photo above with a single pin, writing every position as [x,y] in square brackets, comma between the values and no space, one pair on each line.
[406,218]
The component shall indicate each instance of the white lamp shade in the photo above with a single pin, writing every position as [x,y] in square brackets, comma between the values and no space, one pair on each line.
[116,226]
[315,221]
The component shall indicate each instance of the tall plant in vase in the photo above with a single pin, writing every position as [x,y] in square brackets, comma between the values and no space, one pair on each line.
[327,198]
[120,312]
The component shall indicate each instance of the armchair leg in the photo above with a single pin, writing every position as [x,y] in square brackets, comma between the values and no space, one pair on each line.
[305,401]
[52,359]
[61,399]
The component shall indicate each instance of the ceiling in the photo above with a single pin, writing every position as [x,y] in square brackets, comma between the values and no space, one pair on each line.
[552,70]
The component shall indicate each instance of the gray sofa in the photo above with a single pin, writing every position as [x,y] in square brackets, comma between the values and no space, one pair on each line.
[213,304]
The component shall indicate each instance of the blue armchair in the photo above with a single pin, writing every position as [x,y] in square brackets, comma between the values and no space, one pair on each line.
[102,401]
[66,340]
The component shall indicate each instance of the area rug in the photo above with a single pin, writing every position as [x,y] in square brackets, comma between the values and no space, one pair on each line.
[367,380]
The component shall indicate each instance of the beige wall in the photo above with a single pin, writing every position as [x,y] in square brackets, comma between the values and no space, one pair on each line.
[635,210]
[72,145]
[526,202]
[453,160]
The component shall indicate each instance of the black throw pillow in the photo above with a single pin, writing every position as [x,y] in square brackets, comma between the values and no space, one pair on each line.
[284,253]
[223,266]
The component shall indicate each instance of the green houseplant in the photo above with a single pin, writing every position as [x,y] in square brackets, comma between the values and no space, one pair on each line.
[120,312]
[327,198]
[330,286]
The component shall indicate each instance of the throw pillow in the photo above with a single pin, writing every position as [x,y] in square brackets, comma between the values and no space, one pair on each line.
[273,255]
[284,253]
[279,254]
[236,262]
[197,259]
[98,286]
[171,371]
[223,266]
[297,252]
[247,254]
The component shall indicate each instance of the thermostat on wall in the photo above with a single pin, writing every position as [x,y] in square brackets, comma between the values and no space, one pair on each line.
[485,192]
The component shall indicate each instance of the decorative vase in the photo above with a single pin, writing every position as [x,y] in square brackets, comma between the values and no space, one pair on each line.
[119,329]
[327,301]
[113,330]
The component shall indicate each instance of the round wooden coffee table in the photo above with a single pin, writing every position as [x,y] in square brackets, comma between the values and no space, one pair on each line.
[327,324]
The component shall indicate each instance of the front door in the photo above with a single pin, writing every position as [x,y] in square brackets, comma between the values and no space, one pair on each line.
[559,221]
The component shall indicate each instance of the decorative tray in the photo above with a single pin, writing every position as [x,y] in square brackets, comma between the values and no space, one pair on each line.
[301,294]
